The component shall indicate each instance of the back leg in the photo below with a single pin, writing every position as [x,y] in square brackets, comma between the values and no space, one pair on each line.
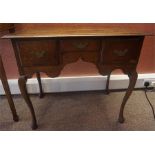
[41,94]
[7,91]
[107,84]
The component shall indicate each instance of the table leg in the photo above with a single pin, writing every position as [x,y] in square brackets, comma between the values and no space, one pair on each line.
[107,84]
[132,81]
[22,85]
[7,91]
[41,95]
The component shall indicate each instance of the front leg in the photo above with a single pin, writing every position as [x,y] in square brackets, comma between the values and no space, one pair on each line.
[132,81]
[22,85]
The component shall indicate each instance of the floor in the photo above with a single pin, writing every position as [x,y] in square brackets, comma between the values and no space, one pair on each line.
[80,111]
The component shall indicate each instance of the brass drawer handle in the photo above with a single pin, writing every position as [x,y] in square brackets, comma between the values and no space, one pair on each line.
[39,54]
[120,53]
[80,45]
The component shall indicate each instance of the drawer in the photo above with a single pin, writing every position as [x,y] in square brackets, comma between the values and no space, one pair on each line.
[38,52]
[122,50]
[79,45]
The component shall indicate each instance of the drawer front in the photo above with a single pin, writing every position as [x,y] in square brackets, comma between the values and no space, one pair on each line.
[38,52]
[79,45]
[122,50]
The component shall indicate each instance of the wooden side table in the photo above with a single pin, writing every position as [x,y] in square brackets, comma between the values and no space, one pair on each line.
[50,50]
[7,91]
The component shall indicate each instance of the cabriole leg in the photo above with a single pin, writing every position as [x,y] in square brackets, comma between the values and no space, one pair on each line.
[132,81]
[22,85]
[107,84]
[41,95]
[7,91]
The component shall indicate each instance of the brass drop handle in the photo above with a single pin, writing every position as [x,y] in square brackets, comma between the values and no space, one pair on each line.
[39,54]
[80,45]
[120,53]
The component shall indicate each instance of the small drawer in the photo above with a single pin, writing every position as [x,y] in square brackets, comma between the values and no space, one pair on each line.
[38,52]
[122,50]
[79,45]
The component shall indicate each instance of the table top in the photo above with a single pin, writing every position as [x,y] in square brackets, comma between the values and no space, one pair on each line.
[75,32]
[5,26]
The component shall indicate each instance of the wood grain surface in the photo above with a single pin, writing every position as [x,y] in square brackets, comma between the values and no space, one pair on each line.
[66,31]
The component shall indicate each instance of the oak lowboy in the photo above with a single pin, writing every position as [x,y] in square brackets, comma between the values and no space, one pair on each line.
[49,51]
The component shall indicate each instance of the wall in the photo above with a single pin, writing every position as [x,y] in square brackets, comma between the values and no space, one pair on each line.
[146,62]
